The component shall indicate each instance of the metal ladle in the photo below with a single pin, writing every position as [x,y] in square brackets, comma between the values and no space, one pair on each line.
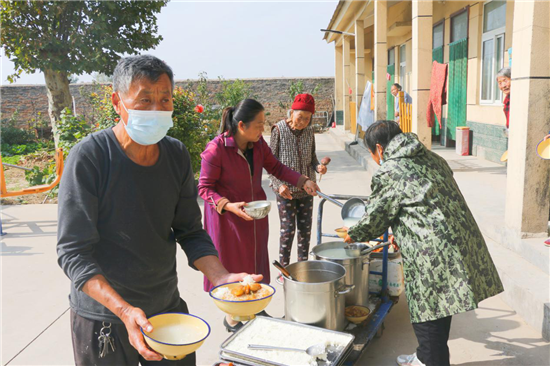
[283,270]
[313,351]
[359,250]
[353,208]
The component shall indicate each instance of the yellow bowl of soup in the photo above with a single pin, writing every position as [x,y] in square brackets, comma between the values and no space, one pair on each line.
[245,307]
[357,314]
[175,335]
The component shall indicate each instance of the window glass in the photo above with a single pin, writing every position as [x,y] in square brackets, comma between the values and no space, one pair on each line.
[391,56]
[459,27]
[499,63]
[487,74]
[494,15]
[438,35]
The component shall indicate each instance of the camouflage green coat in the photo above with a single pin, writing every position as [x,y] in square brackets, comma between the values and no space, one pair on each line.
[447,266]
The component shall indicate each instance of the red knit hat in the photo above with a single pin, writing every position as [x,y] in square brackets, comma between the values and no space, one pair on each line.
[304,102]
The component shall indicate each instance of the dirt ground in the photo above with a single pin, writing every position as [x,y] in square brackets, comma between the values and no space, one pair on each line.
[15,180]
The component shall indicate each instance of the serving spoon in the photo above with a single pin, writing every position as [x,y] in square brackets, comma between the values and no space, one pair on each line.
[313,351]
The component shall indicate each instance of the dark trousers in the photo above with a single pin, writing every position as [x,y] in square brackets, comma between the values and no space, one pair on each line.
[292,213]
[432,341]
[86,345]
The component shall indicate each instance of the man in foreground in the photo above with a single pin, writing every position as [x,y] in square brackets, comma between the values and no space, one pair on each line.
[127,195]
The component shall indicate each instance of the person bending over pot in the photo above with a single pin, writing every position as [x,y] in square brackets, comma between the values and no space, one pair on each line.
[447,266]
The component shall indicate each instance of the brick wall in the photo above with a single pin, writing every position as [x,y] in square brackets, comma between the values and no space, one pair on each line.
[30,100]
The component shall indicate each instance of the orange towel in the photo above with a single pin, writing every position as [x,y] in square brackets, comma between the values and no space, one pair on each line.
[438,92]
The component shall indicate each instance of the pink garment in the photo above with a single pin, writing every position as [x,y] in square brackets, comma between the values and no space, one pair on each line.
[242,245]
[438,92]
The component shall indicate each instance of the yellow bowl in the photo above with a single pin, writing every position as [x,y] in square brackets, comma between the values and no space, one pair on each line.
[543,149]
[175,335]
[242,310]
[358,319]
[504,157]
[341,232]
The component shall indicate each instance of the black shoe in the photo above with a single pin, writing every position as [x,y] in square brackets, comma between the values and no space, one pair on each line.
[263,313]
[232,328]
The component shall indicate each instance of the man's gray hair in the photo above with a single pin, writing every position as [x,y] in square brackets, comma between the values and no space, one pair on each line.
[133,68]
[506,72]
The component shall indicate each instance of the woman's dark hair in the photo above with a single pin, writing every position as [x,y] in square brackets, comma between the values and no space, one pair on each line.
[381,132]
[246,110]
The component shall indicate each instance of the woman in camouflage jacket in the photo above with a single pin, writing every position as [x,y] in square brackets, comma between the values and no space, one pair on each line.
[448,268]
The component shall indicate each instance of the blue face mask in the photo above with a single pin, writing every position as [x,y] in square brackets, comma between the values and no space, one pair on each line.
[380,156]
[147,127]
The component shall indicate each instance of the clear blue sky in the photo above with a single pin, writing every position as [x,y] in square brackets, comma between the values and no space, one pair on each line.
[237,40]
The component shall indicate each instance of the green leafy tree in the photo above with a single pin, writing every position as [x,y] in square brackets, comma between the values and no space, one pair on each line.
[296,88]
[63,38]
[232,92]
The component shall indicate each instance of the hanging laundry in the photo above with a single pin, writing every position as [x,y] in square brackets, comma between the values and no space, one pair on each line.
[366,110]
[438,93]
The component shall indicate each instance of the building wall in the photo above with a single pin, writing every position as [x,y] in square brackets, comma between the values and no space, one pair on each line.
[487,122]
[30,100]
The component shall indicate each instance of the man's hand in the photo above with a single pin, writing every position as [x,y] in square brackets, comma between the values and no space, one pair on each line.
[547,137]
[311,188]
[134,318]
[322,169]
[237,209]
[284,192]
[236,277]
[397,114]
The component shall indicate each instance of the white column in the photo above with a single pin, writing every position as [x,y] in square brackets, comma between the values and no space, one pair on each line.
[359,61]
[346,54]
[528,179]
[338,80]
[380,58]
[421,68]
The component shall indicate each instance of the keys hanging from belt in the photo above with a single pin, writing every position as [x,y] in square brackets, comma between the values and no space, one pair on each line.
[105,340]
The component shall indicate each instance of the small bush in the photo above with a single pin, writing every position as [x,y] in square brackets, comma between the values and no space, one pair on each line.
[191,127]
[12,135]
[71,129]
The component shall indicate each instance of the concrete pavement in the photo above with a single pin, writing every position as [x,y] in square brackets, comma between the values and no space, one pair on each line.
[35,320]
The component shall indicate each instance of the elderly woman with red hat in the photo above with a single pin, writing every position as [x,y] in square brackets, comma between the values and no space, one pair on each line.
[293,143]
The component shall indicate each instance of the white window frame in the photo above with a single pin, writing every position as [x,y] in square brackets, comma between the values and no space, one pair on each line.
[495,34]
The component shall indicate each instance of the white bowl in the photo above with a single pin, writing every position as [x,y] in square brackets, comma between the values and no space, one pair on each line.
[257,209]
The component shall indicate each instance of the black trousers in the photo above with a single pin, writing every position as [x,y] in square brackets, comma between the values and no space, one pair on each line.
[86,345]
[292,213]
[432,341]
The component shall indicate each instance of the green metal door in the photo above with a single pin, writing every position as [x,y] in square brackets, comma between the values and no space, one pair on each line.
[437,55]
[458,66]
[389,97]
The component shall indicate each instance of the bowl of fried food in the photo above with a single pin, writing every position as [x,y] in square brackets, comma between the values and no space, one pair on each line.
[357,314]
[257,209]
[175,335]
[242,300]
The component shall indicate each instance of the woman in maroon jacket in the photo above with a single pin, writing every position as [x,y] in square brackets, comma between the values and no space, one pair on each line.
[231,175]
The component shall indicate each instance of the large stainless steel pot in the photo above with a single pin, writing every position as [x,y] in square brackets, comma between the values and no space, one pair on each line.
[357,270]
[317,296]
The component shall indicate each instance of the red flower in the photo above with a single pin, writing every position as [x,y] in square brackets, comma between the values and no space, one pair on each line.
[199,108]
[117,119]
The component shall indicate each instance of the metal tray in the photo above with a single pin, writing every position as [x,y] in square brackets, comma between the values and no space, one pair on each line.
[232,356]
